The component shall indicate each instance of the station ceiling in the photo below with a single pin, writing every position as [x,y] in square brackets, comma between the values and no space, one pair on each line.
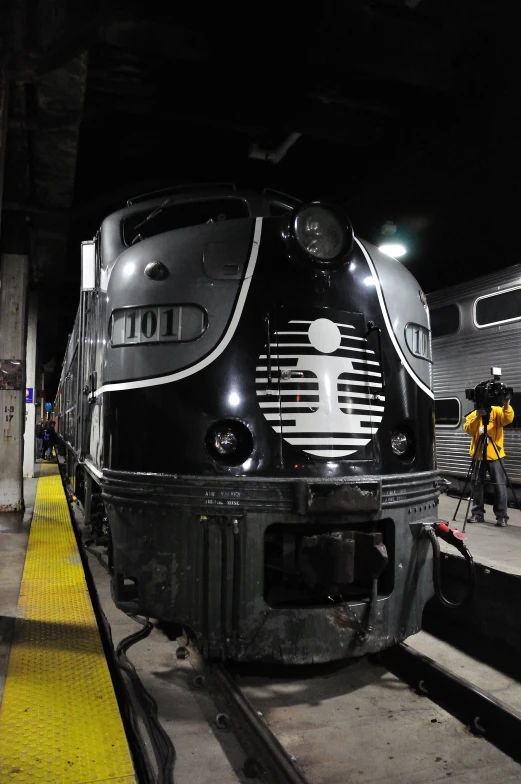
[402,110]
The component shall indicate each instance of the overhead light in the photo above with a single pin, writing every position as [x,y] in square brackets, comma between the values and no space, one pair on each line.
[394,249]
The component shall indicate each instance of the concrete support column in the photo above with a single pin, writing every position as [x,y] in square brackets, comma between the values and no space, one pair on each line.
[13,292]
[30,383]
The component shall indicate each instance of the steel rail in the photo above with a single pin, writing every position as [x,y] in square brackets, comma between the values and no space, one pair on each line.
[268,753]
[485,715]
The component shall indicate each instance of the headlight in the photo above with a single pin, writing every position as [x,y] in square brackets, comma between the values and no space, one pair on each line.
[321,233]
[224,441]
[399,443]
[229,442]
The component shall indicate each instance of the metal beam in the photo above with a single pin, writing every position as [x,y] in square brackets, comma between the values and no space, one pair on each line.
[74,33]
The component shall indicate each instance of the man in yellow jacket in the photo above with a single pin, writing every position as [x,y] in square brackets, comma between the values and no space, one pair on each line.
[500,416]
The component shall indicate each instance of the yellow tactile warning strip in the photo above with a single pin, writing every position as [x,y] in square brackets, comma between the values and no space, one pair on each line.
[59,719]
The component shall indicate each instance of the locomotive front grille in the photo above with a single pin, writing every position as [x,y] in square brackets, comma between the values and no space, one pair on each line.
[305,565]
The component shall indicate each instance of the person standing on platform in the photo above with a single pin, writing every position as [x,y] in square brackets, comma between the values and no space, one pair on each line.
[52,440]
[49,439]
[500,417]
[39,439]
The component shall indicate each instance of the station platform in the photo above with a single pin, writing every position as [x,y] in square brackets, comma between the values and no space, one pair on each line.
[491,546]
[491,619]
[59,717]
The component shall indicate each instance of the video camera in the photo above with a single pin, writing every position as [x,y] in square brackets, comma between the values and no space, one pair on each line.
[489,393]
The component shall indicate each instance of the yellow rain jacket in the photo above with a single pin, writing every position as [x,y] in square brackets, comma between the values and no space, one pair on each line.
[498,419]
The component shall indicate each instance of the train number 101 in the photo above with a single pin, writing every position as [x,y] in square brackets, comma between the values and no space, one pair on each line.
[156,324]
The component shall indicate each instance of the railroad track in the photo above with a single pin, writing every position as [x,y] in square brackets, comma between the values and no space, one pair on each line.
[485,715]
[266,757]
[269,761]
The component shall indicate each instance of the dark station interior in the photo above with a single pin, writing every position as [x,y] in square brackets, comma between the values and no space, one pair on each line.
[305,593]
[405,111]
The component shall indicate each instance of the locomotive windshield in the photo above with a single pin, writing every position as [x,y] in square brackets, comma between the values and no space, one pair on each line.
[167,217]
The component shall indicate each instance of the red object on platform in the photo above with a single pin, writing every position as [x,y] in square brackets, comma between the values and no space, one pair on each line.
[445,532]
[459,534]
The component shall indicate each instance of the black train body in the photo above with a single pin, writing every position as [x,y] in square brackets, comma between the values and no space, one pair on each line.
[252,424]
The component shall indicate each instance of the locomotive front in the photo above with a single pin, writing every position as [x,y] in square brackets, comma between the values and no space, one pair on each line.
[265,433]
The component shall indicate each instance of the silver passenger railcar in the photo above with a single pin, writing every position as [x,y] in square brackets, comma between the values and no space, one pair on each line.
[475,325]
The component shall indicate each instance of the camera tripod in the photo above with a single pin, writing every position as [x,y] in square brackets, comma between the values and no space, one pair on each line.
[478,468]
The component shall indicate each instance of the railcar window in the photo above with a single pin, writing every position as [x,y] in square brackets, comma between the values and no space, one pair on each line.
[447,412]
[445,320]
[498,308]
[179,216]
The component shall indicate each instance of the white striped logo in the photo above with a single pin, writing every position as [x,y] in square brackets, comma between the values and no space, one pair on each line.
[323,393]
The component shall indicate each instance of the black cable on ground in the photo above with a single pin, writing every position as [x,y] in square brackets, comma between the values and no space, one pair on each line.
[463,549]
[163,747]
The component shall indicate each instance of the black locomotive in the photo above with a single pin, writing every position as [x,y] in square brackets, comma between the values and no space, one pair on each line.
[247,412]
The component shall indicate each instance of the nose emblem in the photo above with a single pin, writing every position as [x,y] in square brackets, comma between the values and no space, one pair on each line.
[326,383]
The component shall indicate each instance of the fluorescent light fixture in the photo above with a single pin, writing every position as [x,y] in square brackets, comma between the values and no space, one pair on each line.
[394,249]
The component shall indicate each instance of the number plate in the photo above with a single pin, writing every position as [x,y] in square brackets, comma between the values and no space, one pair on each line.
[418,341]
[157,324]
